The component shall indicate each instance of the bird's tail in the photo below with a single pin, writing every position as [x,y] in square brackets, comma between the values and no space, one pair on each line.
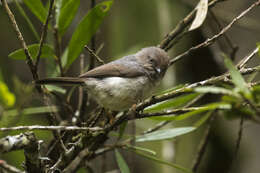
[60,81]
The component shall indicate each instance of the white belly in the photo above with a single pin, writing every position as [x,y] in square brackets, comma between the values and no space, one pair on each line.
[116,93]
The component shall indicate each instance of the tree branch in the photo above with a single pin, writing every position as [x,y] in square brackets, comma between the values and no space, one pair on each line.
[29,60]
[28,142]
[17,142]
[38,127]
[203,145]
[211,40]
[44,34]
[9,168]
[182,25]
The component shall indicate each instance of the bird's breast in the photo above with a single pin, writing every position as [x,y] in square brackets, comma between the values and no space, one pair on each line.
[118,93]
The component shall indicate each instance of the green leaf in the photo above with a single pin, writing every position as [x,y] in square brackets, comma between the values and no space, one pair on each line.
[237,78]
[67,14]
[256,93]
[47,52]
[122,129]
[170,89]
[164,134]
[258,45]
[37,9]
[172,103]
[156,159]
[55,88]
[237,112]
[32,110]
[203,119]
[208,107]
[216,90]
[86,29]
[131,147]
[121,163]
[27,19]
[6,97]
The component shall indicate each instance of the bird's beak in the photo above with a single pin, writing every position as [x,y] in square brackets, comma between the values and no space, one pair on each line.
[158,70]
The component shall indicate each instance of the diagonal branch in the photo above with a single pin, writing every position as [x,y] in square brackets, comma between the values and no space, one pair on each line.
[203,145]
[43,35]
[9,168]
[38,127]
[29,60]
[182,25]
[211,40]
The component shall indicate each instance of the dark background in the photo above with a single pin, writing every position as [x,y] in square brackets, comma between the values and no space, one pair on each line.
[130,26]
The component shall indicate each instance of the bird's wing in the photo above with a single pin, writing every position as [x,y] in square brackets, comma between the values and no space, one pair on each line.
[124,67]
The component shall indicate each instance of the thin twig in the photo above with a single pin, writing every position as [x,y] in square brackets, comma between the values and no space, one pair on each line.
[76,162]
[169,113]
[157,127]
[83,96]
[170,95]
[9,168]
[20,9]
[234,48]
[92,121]
[164,123]
[182,25]
[54,167]
[203,145]
[62,145]
[29,60]
[188,88]
[238,141]
[39,127]
[93,43]
[58,49]
[93,53]
[43,34]
[243,62]
[211,40]
[253,106]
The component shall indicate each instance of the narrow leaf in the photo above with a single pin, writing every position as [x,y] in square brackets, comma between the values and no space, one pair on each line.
[237,78]
[216,90]
[37,9]
[156,159]
[55,88]
[170,89]
[85,30]
[131,147]
[122,129]
[66,15]
[47,52]
[121,163]
[164,134]
[173,103]
[258,46]
[205,108]
[33,110]
[201,14]
[27,19]
[203,119]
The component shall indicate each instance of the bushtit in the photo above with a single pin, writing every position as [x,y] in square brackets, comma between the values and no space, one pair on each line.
[123,82]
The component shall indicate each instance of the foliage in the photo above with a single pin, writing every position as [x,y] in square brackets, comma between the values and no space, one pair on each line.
[235,95]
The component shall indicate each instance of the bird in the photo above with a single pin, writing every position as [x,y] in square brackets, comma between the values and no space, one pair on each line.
[123,82]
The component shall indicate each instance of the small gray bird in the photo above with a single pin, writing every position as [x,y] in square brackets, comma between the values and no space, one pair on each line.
[123,82]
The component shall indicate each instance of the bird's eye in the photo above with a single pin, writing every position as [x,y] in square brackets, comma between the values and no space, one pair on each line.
[152,61]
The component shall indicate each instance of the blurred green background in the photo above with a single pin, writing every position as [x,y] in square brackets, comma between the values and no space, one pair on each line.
[131,25]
